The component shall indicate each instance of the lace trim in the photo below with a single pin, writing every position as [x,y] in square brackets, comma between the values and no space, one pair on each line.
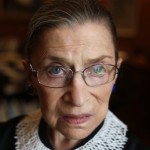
[111,136]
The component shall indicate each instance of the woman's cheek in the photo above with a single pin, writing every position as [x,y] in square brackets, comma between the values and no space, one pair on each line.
[102,94]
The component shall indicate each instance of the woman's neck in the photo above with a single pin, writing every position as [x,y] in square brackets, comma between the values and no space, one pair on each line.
[58,141]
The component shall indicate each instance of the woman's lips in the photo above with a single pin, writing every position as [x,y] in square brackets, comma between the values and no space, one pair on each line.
[76,119]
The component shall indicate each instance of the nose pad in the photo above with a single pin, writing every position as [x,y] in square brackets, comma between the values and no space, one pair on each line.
[73,74]
[77,93]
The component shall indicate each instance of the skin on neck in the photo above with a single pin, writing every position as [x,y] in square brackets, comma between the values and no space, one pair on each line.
[59,141]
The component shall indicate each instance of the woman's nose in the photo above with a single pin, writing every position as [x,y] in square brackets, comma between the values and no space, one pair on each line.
[78,93]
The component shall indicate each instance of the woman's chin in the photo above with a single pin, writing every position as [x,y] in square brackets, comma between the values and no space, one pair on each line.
[74,133]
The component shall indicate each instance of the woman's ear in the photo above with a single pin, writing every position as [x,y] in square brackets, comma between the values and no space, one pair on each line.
[28,71]
[30,88]
[119,62]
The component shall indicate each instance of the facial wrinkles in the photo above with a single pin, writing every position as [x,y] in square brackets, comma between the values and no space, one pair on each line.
[73,55]
[76,56]
[74,45]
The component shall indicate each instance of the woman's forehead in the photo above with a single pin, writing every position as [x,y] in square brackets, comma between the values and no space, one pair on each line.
[85,34]
[88,41]
[70,55]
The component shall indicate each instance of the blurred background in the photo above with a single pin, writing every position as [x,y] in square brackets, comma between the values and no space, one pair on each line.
[130,100]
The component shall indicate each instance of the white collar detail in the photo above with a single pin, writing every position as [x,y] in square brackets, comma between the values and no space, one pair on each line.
[111,136]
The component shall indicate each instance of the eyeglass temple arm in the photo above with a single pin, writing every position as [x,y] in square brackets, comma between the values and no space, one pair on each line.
[32,69]
[117,70]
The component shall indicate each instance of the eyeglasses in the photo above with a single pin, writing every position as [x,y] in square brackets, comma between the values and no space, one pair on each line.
[58,76]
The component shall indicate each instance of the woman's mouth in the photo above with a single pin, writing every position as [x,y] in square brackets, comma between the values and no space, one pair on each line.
[76,119]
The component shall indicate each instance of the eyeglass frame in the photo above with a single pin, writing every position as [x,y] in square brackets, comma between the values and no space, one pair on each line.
[34,71]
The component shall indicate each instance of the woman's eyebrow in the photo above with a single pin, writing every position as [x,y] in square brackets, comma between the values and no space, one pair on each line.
[58,59]
[87,62]
[99,59]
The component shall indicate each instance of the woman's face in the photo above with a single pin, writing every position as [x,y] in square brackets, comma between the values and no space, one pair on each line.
[76,110]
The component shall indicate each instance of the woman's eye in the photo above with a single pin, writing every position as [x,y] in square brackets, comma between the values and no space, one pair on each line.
[55,70]
[98,69]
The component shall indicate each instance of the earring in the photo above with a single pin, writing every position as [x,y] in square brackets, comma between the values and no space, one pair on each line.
[31,90]
[114,87]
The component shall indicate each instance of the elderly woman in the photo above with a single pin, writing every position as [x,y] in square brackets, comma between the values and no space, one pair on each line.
[72,65]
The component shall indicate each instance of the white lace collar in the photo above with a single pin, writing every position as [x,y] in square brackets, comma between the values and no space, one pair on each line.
[111,136]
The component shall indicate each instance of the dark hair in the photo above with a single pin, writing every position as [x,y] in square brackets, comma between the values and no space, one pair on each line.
[57,13]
